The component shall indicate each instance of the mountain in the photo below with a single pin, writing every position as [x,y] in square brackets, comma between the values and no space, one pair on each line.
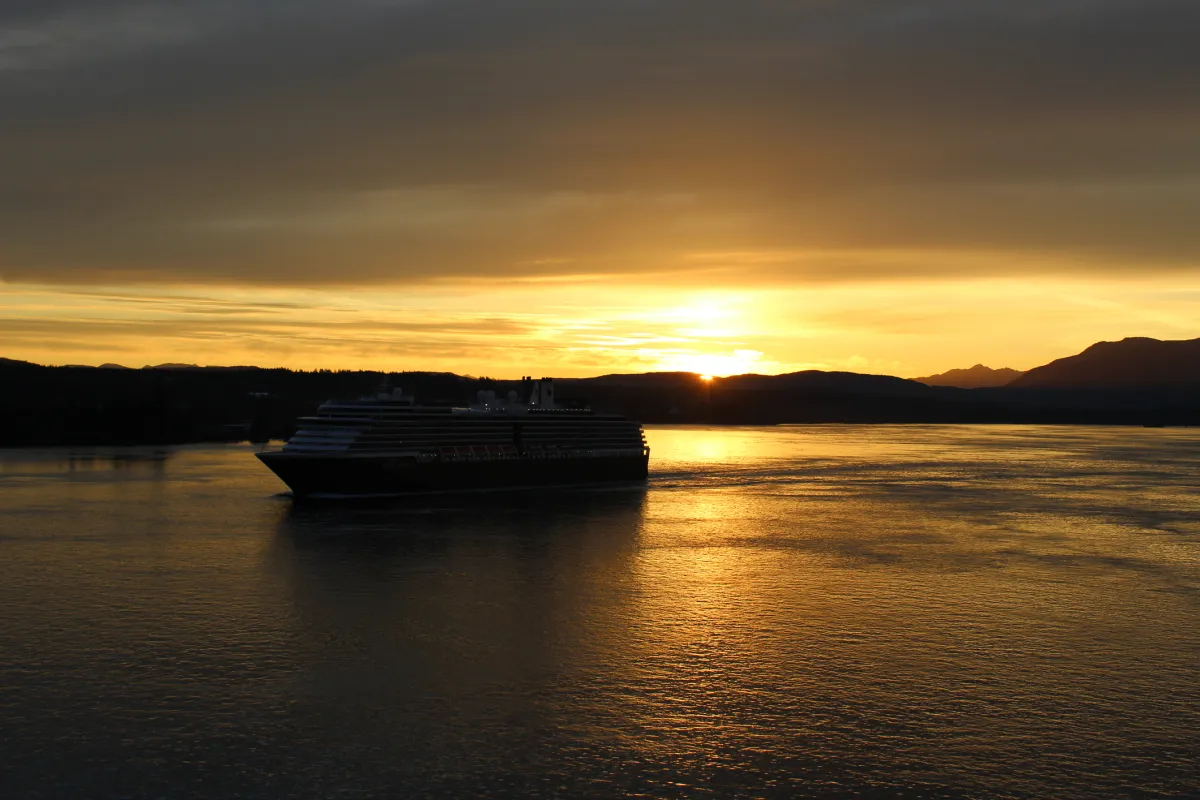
[1135,382]
[1135,363]
[15,371]
[809,380]
[977,377]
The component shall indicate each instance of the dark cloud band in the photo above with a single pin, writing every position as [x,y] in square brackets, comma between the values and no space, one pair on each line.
[389,141]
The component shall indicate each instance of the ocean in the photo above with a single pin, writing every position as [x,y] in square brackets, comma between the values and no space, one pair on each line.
[809,611]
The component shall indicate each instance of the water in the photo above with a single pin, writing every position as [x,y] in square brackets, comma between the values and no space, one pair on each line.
[783,612]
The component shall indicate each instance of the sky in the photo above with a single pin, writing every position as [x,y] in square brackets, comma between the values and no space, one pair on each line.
[577,187]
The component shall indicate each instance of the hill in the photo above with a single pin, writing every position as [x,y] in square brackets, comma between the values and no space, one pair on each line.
[94,405]
[97,406]
[1130,364]
[810,396]
[976,377]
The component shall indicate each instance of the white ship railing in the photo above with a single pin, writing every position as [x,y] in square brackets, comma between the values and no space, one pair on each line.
[460,453]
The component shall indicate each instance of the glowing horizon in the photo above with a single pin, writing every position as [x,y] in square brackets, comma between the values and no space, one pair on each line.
[578,330]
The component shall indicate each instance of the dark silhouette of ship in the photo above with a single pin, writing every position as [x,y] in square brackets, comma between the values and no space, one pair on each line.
[385,444]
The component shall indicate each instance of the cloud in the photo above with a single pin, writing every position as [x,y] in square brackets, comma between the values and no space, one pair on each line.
[369,141]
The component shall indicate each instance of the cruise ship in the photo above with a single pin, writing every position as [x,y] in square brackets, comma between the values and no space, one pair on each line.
[386,444]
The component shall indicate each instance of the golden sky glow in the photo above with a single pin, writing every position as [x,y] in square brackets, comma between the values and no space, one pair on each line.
[588,328]
[596,186]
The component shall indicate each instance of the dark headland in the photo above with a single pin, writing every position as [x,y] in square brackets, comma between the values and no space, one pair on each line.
[1132,382]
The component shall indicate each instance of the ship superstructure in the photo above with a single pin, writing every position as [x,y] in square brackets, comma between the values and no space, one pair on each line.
[387,444]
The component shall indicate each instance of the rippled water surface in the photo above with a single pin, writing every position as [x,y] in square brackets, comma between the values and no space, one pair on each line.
[782,612]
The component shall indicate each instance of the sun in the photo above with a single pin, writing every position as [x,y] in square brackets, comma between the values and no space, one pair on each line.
[707,366]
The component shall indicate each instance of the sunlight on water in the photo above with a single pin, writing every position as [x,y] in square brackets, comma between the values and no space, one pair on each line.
[821,611]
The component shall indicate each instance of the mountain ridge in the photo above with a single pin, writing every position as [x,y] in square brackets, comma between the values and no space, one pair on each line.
[976,377]
[41,406]
[1133,363]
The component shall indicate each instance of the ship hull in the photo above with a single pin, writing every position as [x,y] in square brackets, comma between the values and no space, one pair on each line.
[379,476]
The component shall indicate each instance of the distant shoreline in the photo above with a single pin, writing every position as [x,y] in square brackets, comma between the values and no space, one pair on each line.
[144,444]
[1134,383]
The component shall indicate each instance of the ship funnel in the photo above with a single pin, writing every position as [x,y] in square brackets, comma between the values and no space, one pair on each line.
[543,394]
